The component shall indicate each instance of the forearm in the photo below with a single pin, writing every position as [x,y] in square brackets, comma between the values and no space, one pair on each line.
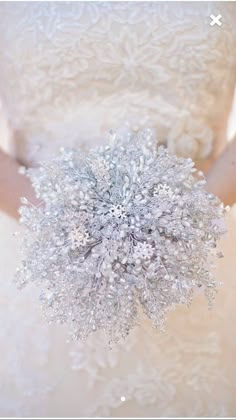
[221,178]
[13,186]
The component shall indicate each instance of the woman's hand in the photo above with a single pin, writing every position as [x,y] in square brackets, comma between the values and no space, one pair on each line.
[13,186]
[221,178]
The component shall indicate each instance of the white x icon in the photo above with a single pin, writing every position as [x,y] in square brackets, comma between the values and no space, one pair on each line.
[216,20]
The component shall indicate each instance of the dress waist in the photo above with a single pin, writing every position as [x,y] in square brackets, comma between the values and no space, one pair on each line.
[87,125]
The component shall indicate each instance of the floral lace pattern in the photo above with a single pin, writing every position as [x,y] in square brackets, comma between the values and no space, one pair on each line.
[90,66]
[69,72]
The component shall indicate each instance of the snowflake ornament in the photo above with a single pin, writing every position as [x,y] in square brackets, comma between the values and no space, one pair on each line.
[123,229]
[78,237]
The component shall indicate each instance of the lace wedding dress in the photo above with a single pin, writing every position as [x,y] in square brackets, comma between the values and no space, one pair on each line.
[70,71]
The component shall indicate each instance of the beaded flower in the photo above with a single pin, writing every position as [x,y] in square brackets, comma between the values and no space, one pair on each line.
[124,229]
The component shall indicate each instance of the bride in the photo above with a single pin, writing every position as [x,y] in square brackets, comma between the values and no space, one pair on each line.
[70,71]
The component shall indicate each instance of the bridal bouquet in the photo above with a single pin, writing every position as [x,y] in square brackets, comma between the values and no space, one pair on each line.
[123,229]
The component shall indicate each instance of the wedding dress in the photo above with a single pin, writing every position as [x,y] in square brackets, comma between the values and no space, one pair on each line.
[70,71]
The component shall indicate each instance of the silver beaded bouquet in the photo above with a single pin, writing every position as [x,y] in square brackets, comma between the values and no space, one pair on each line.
[122,230]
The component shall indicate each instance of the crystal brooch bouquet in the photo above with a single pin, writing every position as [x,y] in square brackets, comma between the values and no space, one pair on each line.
[122,230]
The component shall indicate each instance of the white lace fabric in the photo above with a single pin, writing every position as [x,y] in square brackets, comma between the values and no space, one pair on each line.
[70,71]
[90,66]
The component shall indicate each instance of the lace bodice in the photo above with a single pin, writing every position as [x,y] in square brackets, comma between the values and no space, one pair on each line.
[72,70]
[69,71]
